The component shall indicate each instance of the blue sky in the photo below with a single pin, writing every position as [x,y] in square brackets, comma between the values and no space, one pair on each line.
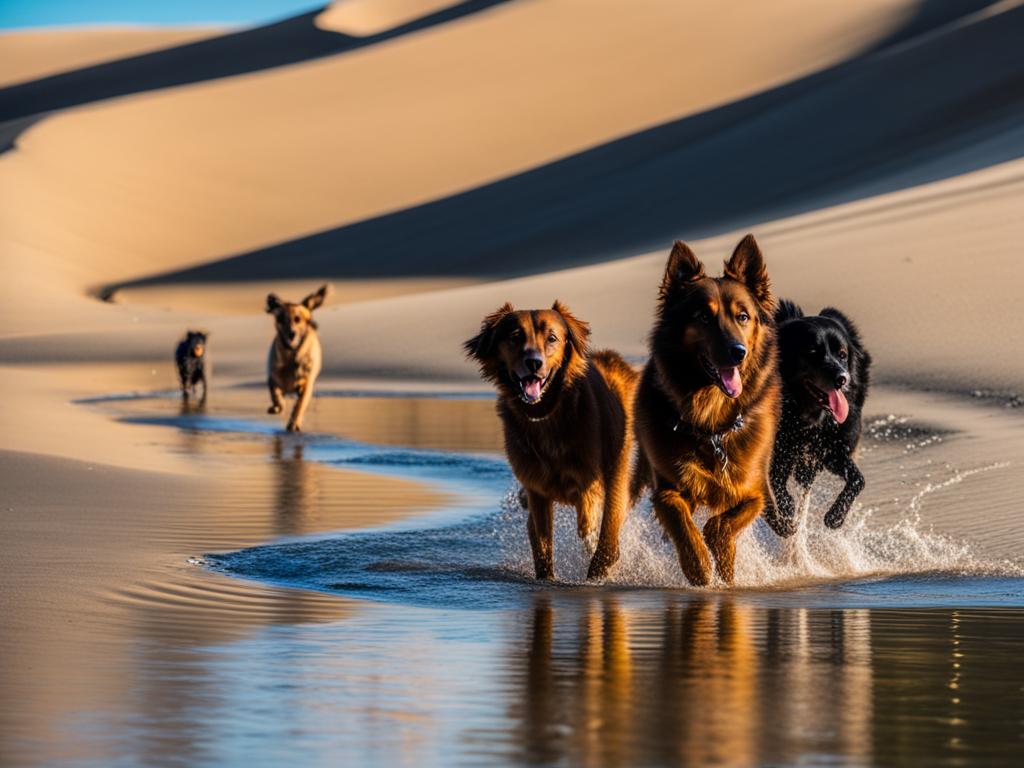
[46,13]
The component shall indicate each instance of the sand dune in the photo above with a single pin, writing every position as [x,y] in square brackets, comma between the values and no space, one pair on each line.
[296,39]
[371,17]
[920,270]
[804,145]
[184,176]
[30,54]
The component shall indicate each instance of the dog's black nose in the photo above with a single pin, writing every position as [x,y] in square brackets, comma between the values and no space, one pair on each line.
[737,352]
[534,364]
[842,380]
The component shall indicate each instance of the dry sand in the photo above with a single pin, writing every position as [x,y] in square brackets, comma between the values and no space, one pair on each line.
[30,54]
[907,216]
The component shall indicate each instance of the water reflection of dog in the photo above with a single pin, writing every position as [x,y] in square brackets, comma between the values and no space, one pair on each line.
[701,681]
[294,486]
[578,686]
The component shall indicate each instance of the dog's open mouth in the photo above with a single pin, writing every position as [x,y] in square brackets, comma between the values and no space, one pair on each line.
[726,379]
[832,400]
[532,388]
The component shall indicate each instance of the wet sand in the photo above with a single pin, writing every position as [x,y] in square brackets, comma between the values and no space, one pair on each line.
[149,648]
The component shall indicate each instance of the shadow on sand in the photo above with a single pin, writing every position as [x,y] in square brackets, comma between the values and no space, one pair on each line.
[897,116]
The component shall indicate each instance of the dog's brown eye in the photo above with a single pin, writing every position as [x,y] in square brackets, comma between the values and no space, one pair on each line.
[842,354]
[743,317]
[552,338]
[704,316]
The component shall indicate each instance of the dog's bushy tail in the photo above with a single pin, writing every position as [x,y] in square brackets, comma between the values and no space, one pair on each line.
[787,310]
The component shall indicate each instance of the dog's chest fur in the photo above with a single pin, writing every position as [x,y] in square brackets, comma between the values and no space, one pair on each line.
[190,369]
[293,369]
[813,442]
[549,458]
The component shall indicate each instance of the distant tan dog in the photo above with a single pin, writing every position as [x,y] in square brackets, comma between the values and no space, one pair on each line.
[295,355]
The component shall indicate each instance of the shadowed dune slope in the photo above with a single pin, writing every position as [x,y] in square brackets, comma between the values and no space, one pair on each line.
[927,273]
[945,103]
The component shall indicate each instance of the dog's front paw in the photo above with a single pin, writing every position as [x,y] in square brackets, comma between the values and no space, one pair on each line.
[544,572]
[293,427]
[784,526]
[274,409]
[601,563]
[835,518]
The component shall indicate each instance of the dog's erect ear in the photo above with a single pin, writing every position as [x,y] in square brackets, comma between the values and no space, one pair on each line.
[747,266]
[683,269]
[579,331]
[481,346]
[316,300]
[273,303]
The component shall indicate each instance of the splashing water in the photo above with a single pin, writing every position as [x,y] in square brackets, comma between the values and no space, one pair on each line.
[860,549]
[482,557]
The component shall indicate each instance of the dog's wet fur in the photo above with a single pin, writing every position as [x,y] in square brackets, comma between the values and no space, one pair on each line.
[190,359]
[825,376]
[295,354]
[708,404]
[567,417]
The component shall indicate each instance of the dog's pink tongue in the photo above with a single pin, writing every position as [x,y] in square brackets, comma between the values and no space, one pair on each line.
[731,381]
[838,405]
[531,388]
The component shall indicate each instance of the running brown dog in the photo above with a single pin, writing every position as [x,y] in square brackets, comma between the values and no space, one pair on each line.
[295,354]
[567,416]
[708,404]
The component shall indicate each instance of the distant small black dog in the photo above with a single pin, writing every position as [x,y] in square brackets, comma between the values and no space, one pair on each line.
[190,357]
[825,371]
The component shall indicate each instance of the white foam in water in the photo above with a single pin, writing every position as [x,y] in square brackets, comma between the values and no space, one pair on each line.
[862,547]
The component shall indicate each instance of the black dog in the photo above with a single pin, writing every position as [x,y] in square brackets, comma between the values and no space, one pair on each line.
[190,357]
[825,371]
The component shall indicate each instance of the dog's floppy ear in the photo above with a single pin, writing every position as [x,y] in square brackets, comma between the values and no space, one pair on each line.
[273,303]
[850,329]
[747,266]
[316,300]
[579,331]
[857,351]
[683,269]
[481,346]
[579,342]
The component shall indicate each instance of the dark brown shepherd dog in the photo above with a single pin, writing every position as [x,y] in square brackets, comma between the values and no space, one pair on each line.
[708,403]
[568,423]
